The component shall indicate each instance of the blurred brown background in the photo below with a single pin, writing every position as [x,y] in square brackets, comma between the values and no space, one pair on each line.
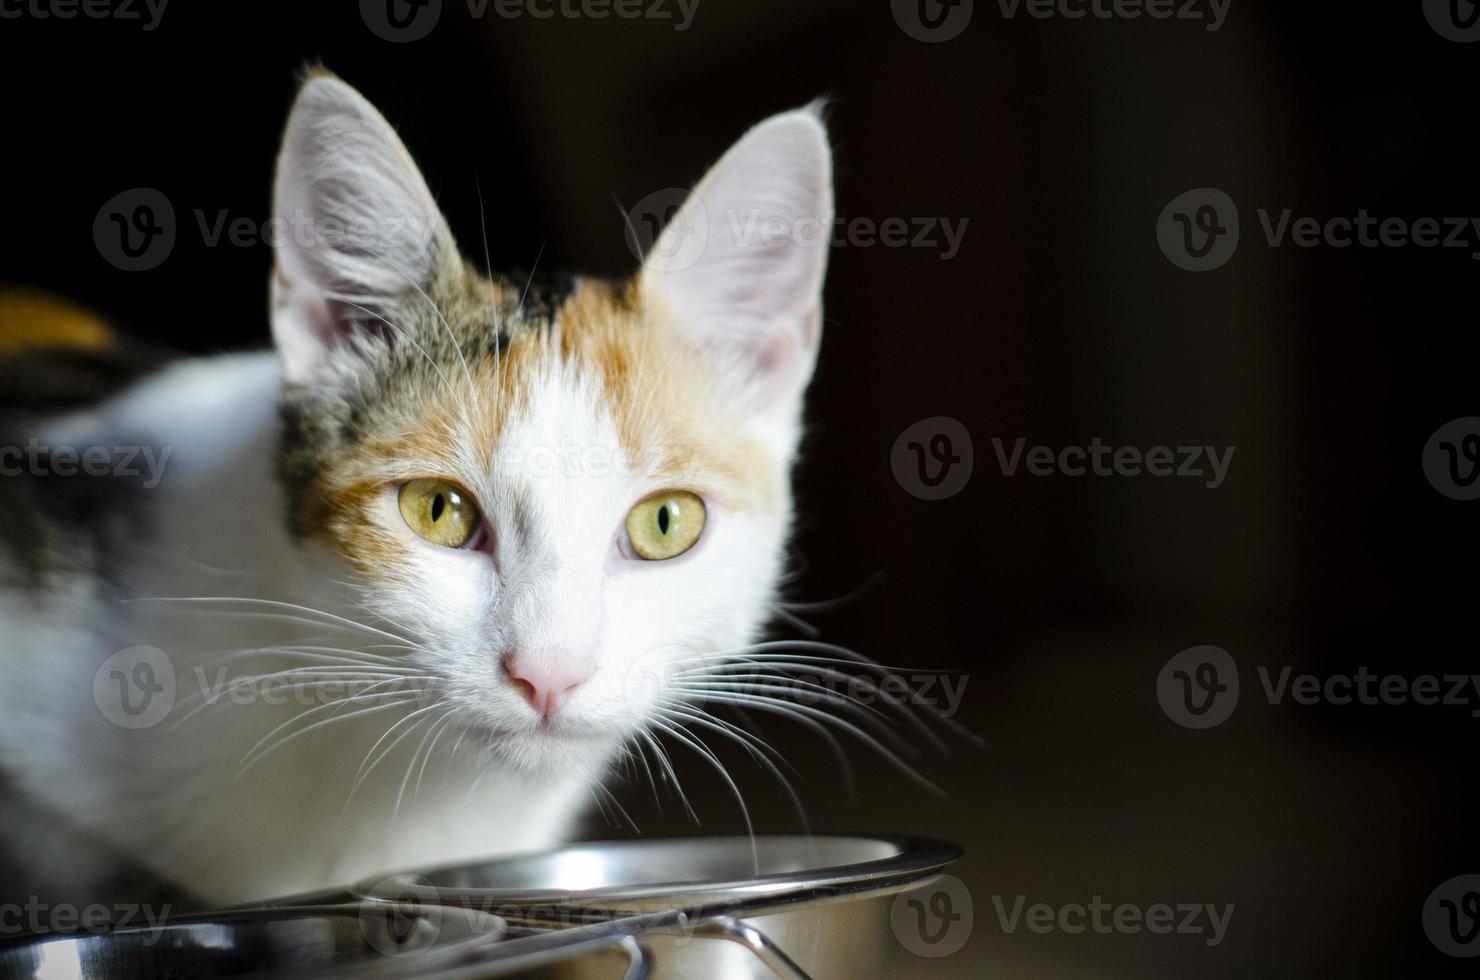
[1059,320]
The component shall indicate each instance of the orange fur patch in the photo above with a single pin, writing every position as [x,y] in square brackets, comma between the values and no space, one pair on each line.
[665,398]
[663,393]
[31,319]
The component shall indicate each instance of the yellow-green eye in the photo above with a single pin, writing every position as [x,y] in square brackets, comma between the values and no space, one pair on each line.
[665,525]
[440,511]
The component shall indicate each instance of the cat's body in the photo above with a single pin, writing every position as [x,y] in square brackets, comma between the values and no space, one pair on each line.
[151,794]
[446,699]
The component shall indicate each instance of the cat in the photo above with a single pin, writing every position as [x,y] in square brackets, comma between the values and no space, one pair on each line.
[399,591]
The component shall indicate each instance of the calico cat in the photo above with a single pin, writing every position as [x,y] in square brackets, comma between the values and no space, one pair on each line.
[400,591]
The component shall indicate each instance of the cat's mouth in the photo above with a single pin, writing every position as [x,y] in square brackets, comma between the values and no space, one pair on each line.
[550,746]
[538,731]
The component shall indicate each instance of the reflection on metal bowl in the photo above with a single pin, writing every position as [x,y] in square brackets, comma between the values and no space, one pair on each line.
[365,941]
[785,904]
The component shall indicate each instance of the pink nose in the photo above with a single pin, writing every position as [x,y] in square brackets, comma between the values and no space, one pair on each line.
[546,686]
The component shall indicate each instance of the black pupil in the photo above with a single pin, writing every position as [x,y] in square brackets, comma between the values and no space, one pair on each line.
[439,505]
[663,519]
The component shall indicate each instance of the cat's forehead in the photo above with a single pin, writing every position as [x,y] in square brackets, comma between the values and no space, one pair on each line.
[526,390]
[592,383]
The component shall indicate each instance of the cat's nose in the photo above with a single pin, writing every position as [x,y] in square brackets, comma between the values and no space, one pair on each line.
[545,684]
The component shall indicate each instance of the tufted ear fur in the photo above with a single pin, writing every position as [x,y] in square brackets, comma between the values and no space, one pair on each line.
[359,228]
[741,263]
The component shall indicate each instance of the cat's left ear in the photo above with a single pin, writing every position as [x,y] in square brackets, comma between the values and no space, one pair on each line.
[359,230]
[741,263]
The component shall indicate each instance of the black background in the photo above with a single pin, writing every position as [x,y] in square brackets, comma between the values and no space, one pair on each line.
[1060,320]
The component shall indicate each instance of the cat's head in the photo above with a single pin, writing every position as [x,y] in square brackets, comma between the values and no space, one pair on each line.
[567,490]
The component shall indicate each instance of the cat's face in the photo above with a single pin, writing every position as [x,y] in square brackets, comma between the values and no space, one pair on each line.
[567,491]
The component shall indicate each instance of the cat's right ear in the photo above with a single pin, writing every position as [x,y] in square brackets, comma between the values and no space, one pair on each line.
[357,227]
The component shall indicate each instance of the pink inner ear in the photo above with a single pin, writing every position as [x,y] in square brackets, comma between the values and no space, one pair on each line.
[775,351]
[340,319]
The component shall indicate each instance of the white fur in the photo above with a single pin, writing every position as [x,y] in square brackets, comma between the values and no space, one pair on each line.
[168,796]
[561,585]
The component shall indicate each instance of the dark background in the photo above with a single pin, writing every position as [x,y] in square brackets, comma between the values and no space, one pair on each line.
[1060,320]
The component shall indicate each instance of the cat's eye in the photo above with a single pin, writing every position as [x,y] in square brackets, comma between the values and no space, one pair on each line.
[440,511]
[665,525]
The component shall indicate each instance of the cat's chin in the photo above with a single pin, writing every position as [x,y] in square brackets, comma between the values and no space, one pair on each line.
[549,749]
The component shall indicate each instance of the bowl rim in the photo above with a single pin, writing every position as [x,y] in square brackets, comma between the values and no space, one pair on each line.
[914,858]
[477,927]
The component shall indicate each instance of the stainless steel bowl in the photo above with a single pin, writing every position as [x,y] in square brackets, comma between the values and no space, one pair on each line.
[367,940]
[785,905]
